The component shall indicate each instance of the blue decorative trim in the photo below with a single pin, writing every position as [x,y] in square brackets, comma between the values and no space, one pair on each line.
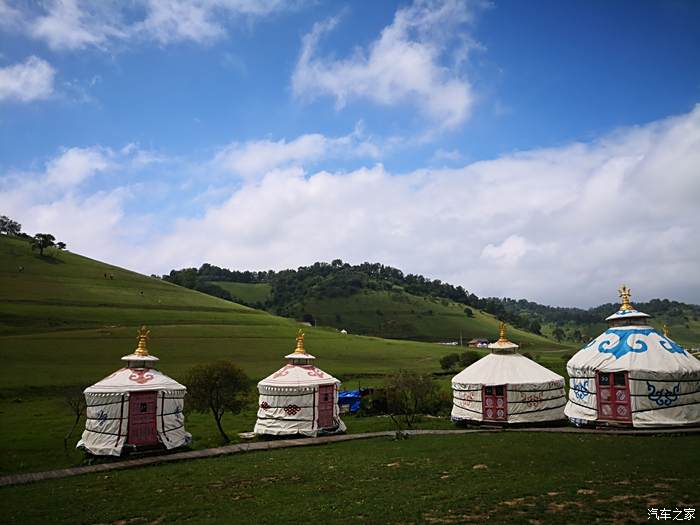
[671,346]
[616,341]
[663,396]
[581,389]
[622,346]
[101,417]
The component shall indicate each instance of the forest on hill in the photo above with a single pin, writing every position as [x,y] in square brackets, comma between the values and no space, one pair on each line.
[291,291]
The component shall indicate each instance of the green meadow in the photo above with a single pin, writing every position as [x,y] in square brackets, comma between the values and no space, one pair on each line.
[248,293]
[504,477]
[66,320]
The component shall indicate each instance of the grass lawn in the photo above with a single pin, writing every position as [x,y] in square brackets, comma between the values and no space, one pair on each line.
[499,478]
[249,293]
[397,314]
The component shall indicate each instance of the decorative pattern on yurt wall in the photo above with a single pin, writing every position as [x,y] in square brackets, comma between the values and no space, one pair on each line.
[107,417]
[290,410]
[527,402]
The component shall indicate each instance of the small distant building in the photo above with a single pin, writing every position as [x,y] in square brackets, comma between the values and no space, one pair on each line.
[299,398]
[506,387]
[344,331]
[478,343]
[134,408]
[632,375]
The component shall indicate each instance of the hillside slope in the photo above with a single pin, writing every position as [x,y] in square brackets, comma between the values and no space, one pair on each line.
[62,322]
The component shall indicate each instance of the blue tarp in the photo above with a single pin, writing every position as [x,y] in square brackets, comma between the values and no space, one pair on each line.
[350,397]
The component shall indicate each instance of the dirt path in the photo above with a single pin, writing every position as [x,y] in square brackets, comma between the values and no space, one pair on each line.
[18,479]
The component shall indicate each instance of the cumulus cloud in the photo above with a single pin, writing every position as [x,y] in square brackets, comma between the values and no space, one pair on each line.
[75,166]
[29,80]
[79,24]
[562,225]
[255,158]
[405,64]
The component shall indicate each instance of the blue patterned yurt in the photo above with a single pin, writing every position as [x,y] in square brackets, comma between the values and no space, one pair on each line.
[632,375]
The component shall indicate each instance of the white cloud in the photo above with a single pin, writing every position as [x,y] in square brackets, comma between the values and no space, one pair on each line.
[74,166]
[79,24]
[10,18]
[405,63]
[562,225]
[27,81]
[255,158]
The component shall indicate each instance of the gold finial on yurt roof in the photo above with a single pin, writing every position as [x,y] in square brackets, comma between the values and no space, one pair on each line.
[142,337]
[666,332]
[502,332]
[625,297]
[300,343]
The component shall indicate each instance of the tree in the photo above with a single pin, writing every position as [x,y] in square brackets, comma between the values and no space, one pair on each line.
[467,358]
[41,241]
[449,361]
[408,394]
[576,335]
[75,399]
[558,333]
[61,245]
[469,312]
[536,327]
[8,226]
[218,387]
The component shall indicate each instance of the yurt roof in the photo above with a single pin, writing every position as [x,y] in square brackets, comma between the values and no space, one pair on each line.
[299,371]
[139,377]
[635,346]
[298,376]
[134,379]
[505,368]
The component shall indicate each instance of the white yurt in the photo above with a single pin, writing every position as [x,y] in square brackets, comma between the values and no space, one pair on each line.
[299,398]
[633,375]
[135,407]
[507,387]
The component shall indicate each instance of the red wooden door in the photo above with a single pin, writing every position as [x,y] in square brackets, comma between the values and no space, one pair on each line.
[494,403]
[326,401]
[142,418]
[613,396]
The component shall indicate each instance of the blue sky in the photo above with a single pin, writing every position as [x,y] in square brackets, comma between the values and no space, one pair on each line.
[487,144]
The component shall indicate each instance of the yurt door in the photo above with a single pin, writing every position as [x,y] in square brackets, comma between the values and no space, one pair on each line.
[142,418]
[494,403]
[613,396]
[326,400]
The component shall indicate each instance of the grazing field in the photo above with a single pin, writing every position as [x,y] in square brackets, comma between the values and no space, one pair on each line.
[249,293]
[505,477]
[397,314]
[66,320]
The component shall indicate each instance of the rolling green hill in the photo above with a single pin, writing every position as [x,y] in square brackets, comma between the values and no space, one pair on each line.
[397,314]
[61,318]
[248,293]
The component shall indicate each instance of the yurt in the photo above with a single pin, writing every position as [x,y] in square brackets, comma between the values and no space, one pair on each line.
[136,407]
[632,375]
[299,398]
[506,387]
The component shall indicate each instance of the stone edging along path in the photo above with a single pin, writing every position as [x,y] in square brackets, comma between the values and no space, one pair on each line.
[20,479]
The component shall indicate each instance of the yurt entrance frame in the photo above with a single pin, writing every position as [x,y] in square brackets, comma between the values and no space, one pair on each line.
[613,395]
[326,402]
[142,418]
[494,402]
